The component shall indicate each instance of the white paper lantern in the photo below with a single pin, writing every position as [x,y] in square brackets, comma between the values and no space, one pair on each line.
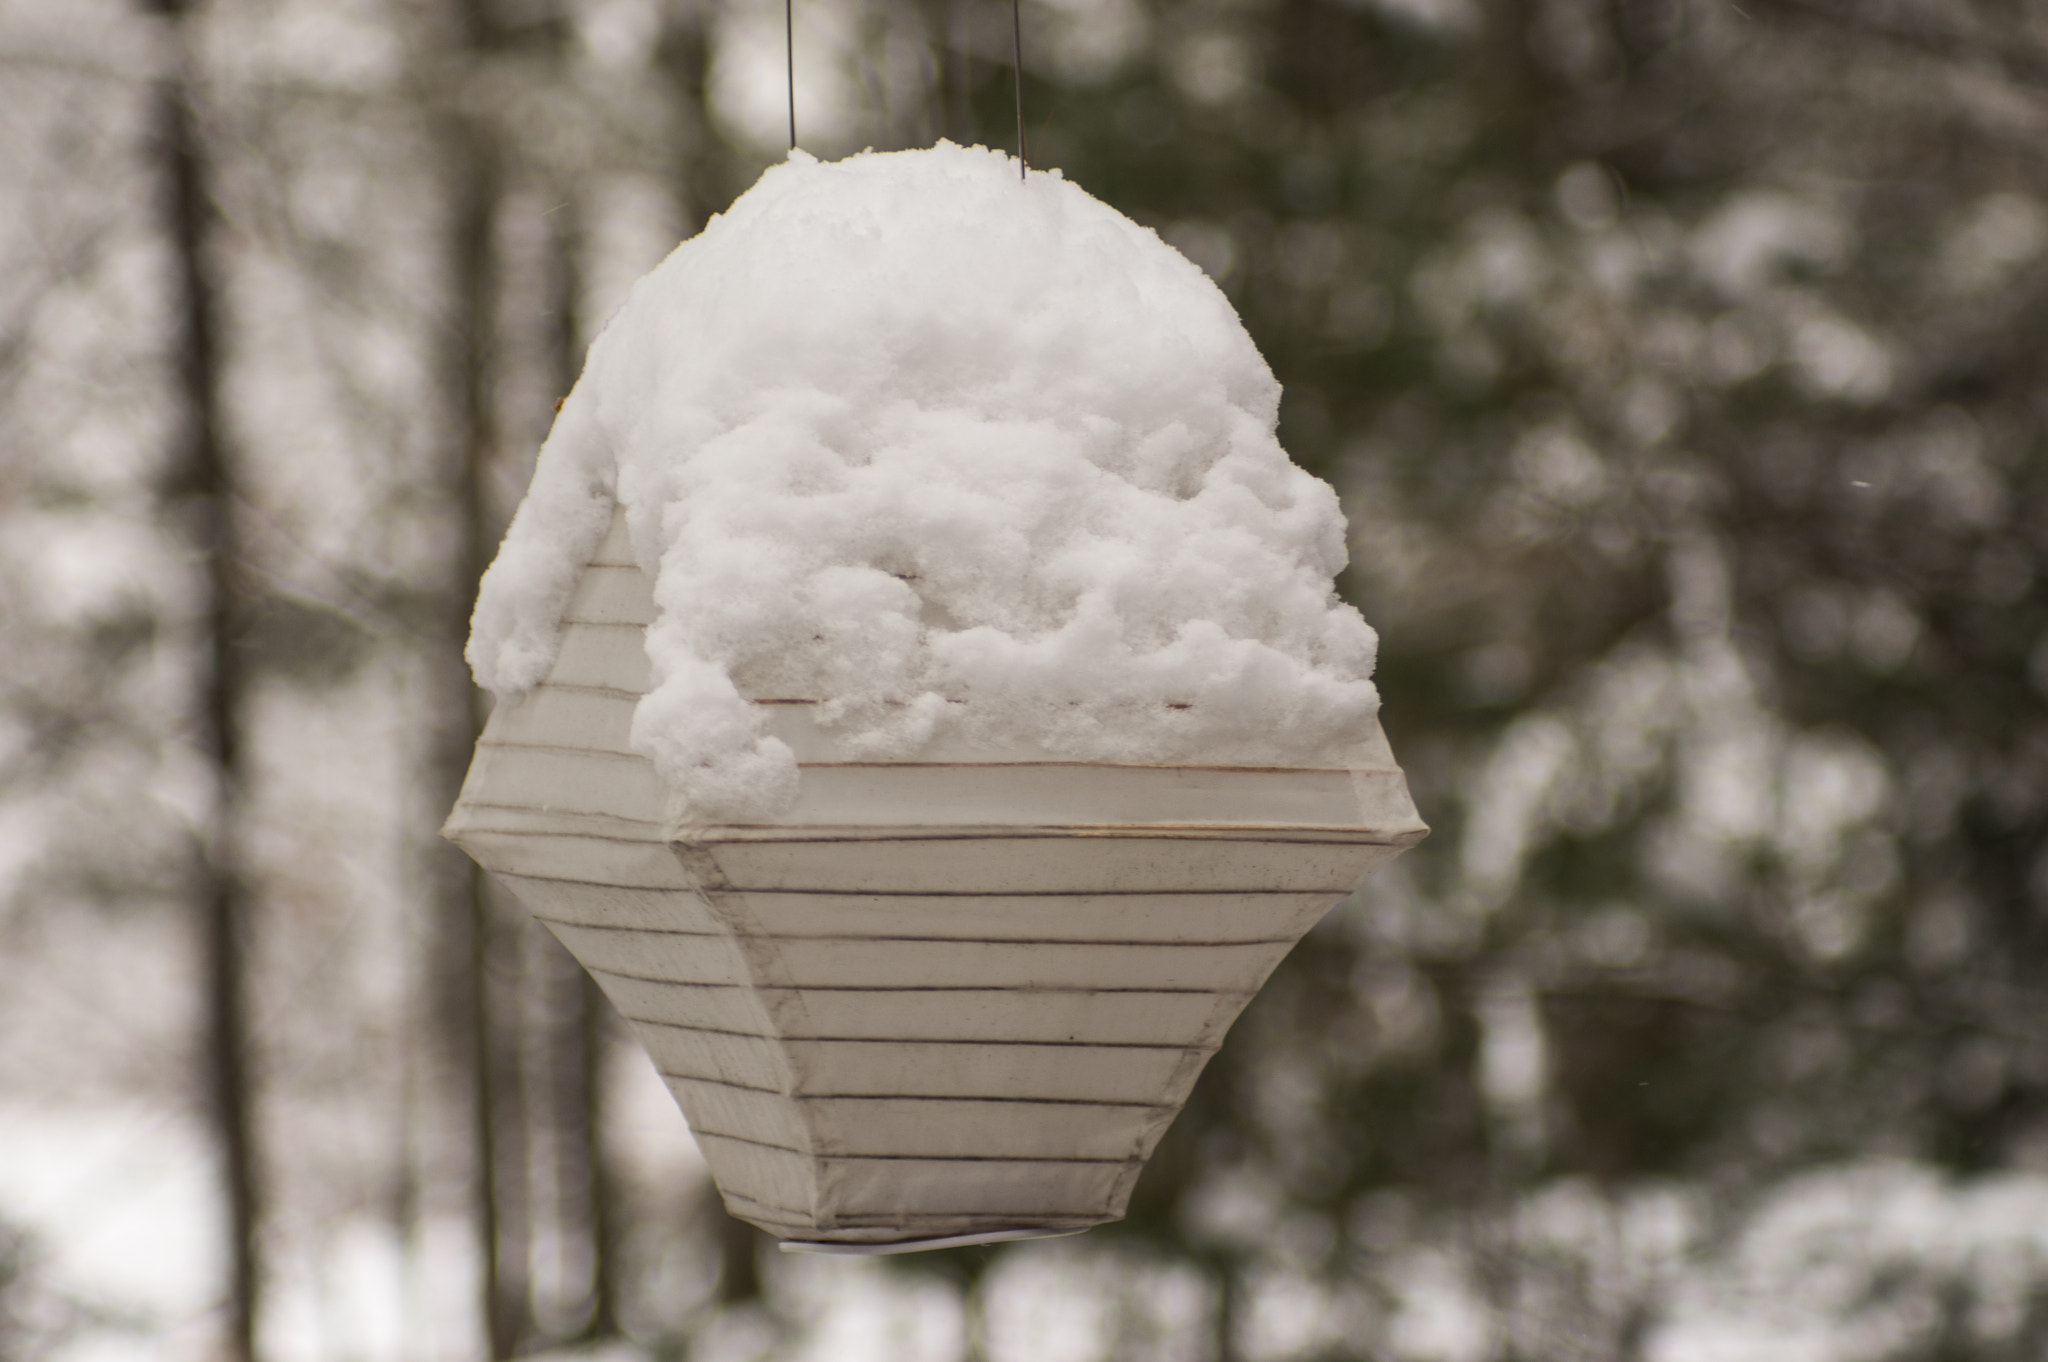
[952,999]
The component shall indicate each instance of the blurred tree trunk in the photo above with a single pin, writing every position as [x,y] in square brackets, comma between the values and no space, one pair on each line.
[202,487]
[739,1254]
[685,58]
[600,1186]
[1229,1279]
[471,939]
[1510,78]
[584,1183]
[951,78]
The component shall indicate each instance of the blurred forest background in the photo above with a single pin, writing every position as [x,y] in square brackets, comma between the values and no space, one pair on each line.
[1683,365]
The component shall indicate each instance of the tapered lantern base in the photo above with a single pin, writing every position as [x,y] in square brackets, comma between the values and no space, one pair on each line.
[947,1001]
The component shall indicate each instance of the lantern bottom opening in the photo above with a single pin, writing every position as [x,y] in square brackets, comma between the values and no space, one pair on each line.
[922,1245]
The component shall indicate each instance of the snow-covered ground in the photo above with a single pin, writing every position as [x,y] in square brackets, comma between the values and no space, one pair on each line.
[1845,1265]
[121,1203]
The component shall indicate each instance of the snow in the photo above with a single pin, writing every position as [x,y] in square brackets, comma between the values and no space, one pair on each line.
[956,455]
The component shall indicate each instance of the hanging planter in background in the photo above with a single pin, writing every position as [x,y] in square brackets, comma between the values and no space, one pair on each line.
[923,705]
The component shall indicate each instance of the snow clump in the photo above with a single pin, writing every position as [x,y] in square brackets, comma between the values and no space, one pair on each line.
[955,455]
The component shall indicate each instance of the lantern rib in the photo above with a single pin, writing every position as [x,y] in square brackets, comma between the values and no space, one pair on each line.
[917,1158]
[1063,765]
[1146,990]
[1332,894]
[916,988]
[914,1097]
[609,692]
[1148,942]
[721,1082]
[744,833]
[730,834]
[1046,1225]
[794,1039]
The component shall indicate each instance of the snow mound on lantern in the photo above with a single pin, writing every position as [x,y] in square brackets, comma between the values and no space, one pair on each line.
[952,454]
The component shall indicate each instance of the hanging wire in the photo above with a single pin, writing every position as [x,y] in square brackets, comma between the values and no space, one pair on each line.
[1017,75]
